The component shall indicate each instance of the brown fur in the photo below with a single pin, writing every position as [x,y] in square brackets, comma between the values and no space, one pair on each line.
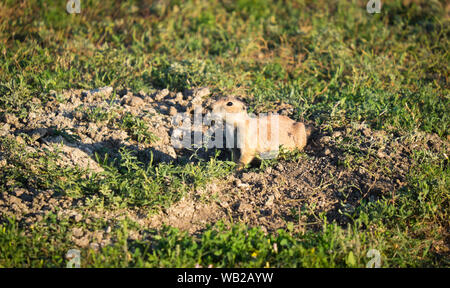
[290,134]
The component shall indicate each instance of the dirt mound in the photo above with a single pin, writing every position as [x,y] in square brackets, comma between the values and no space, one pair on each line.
[337,171]
[340,167]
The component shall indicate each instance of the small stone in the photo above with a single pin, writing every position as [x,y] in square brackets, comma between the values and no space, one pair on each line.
[172,111]
[325,139]
[179,97]
[244,207]
[78,217]
[92,130]
[336,134]
[269,201]
[224,204]
[98,92]
[52,93]
[163,108]
[244,186]
[77,114]
[149,99]
[133,235]
[381,154]
[161,94]
[248,177]
[19,191]
[31,116]
[94,246]
[11,119]
[77,232]
[142,93]
[20,140]
[39,218]
[103,91]
[4,129]
[195,96]
[36,101]
[202,92]
[171,102]
[83,242]
[98,235]
[133,101]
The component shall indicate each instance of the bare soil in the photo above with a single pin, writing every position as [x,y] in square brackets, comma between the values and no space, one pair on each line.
[340,167]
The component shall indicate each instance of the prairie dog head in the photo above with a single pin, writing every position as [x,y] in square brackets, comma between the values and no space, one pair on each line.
[230,110]
[228,105]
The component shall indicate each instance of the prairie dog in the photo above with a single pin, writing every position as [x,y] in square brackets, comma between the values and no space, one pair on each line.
[258,135]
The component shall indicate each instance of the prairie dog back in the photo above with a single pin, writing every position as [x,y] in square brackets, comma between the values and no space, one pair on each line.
[265,133]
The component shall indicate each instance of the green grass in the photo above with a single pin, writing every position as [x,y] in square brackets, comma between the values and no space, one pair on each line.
[331,60]
[138,128]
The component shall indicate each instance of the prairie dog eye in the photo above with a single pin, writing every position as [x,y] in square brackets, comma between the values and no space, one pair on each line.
[230,104]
